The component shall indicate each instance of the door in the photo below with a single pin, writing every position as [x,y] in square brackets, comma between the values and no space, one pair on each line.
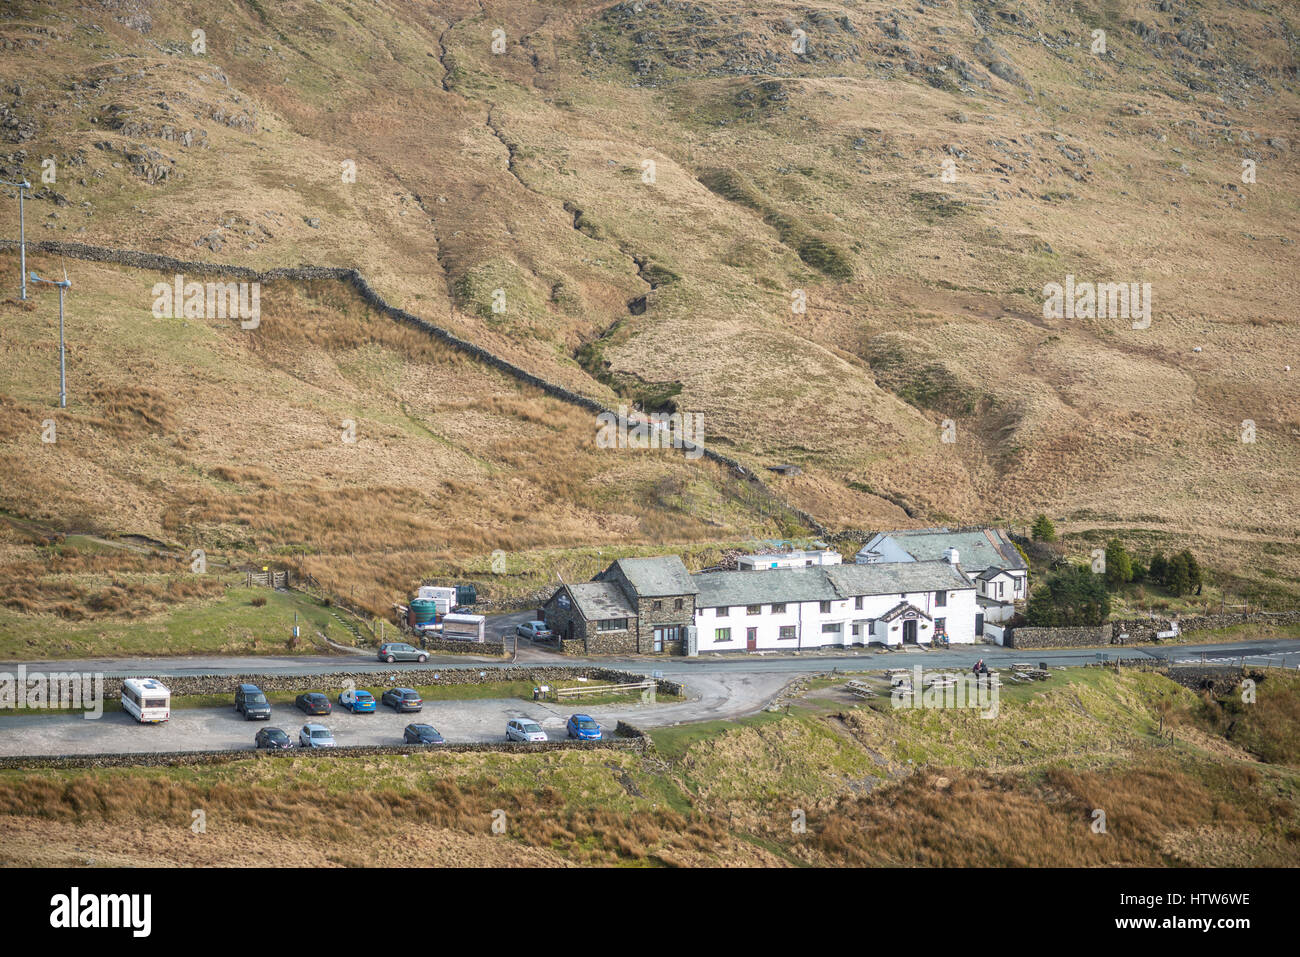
[751,639]
[909,632]
[979,625]
[659,639]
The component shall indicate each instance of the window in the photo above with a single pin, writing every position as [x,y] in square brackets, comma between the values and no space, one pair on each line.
[677,605]
[940,599]
[751,635]
[778,609]
[830,628]
[857,603]
[826,608]
[658,605]
[939,624]
[721,634]
[999,589]
[753,609]
[723,611]
[612,624]
[786,633]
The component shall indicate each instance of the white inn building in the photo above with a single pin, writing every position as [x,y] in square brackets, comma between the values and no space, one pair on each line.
[788,609]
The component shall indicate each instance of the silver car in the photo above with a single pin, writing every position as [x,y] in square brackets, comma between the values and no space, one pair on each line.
[524,729]
[534,631]
[315,736]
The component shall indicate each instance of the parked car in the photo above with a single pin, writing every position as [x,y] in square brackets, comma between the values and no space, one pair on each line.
[272,738]
[524,729]
[582,727]
[315,736]
[402,699]
[357,700]
[400,651]
[251,703]
[313,702]
[534,631]
[422,734]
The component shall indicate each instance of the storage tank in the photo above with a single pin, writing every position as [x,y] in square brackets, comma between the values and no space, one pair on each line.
[424,611]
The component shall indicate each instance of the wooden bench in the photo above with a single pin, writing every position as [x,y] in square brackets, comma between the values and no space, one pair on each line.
[860,689]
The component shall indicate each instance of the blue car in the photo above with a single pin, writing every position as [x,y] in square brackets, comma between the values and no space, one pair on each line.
[582,727]
[357,701]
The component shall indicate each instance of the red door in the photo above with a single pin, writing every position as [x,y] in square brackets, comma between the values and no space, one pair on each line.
[751,639]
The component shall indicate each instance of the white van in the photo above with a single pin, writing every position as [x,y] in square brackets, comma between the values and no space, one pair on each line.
[146,699]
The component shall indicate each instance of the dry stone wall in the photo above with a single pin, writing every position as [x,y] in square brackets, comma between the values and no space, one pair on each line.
[397,676]
[152,261]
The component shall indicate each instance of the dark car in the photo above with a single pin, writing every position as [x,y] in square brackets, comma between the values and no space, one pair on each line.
[313,702]
[272,738]
[400,651]
[251,703]
[402,699]
[422,734]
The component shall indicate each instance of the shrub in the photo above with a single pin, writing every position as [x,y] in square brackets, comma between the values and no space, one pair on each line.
[1072,596]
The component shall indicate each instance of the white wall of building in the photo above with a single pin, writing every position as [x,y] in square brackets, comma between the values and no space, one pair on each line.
[799,559]
[809,622]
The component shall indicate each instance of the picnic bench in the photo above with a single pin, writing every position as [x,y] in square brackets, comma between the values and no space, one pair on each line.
[860,689]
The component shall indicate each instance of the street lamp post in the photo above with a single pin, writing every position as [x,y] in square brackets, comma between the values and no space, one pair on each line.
[63,377]
[22,232]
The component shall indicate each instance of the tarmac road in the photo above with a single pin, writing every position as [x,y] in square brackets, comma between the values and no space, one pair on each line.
[717,688]
[1283,652]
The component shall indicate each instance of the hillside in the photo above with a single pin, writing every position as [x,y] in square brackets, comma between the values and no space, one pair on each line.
[875,786]
[526,171]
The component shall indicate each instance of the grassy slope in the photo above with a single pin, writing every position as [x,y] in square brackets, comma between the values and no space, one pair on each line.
[876,787]
[234,443]
[523,172]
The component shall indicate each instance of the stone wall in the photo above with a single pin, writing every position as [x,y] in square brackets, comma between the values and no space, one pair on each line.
[168,264]
[597,642]
[497,648]
[1080,637]
[1211,622]
[1139,630]
[1217,679]
[547,675]
[633,742]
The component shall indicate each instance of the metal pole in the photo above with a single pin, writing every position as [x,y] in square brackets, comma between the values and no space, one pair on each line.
[63,379]
[22,243]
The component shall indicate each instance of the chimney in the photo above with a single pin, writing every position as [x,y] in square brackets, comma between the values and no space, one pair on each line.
[952,557]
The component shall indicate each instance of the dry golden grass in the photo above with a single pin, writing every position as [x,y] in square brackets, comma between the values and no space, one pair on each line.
[340,824]
[522,171]
[237,445]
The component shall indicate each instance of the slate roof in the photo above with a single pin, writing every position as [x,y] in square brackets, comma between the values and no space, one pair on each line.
[991,573]
[980,548]
[657,576]
[824,583]
[599,600]
[898,577]
[780,585]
